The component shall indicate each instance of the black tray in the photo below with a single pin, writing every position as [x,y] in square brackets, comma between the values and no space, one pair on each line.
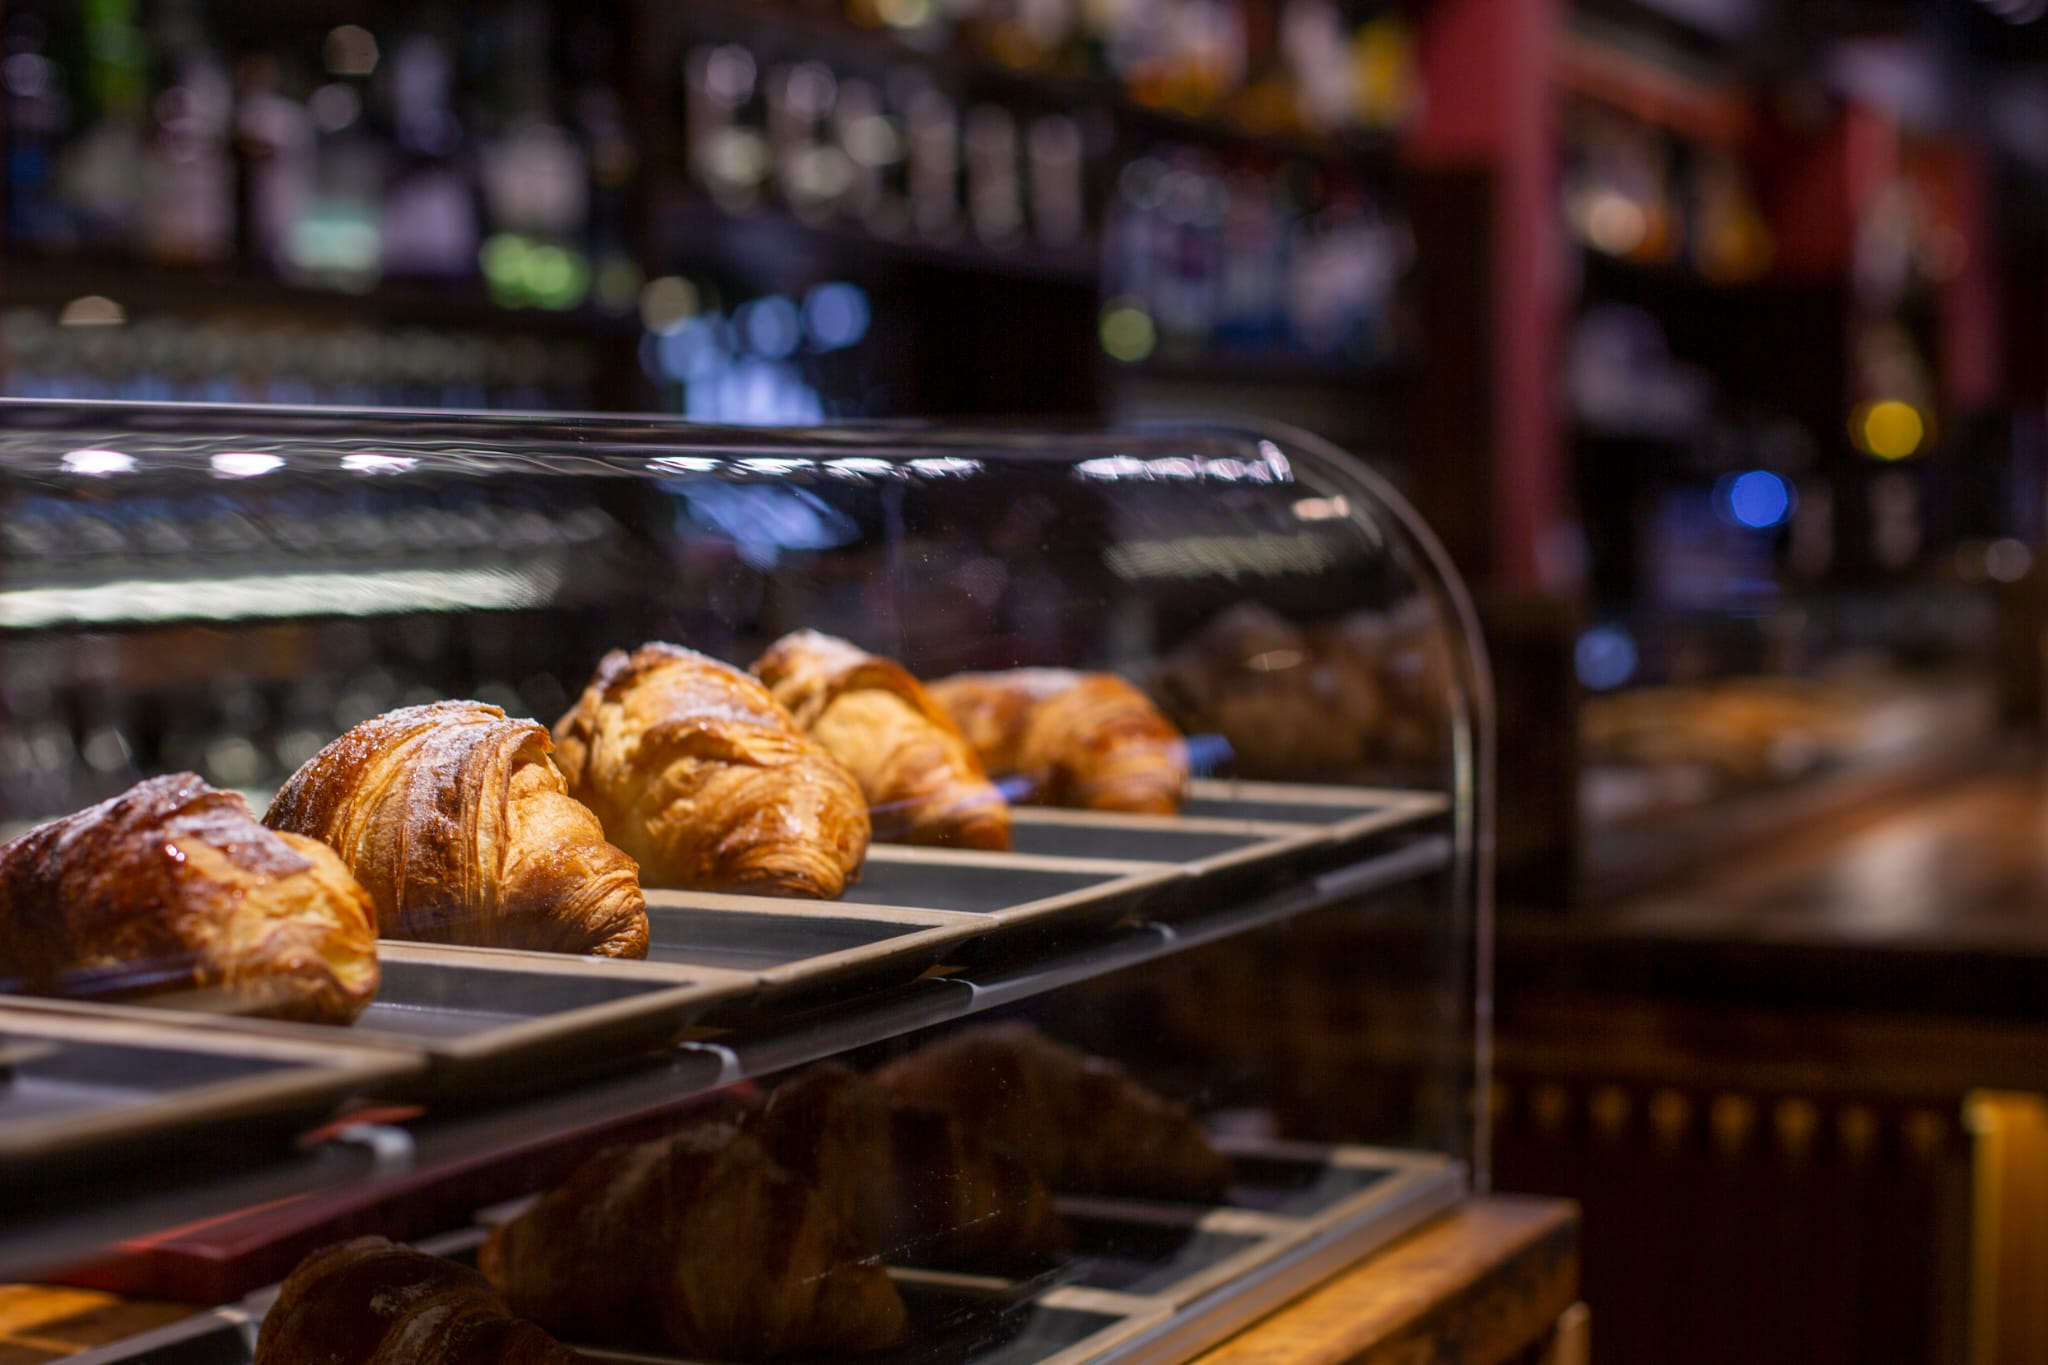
[1347,816]
[76,1091]
[480,1018]
[1013,890]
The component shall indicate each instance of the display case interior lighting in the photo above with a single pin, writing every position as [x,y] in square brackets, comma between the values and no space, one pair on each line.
[365,462]
[279,596]
[1889,429]
[244,464]
[96,464]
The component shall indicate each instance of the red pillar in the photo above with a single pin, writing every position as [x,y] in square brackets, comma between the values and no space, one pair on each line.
[1490,101]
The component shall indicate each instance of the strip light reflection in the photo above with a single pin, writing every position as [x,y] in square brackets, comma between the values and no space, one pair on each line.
[281,595]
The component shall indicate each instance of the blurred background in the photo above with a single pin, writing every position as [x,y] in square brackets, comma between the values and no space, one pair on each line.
[1711,335]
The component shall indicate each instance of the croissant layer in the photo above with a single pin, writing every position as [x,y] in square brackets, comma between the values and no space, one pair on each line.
[703,777]
[1082,1121]
[1074,739]
[174,888]
[370,1302]
[922,780]
[460,826]
[700,1244]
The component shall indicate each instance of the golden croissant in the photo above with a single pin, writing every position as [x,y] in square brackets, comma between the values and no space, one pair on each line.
[1074,739]
[174,888]
[706,780]
[1082,1121]
[910,1181]
[922,780]
[370,1302]
[701,1244]
[456,821]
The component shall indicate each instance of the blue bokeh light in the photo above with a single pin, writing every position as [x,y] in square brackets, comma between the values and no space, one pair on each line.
[770,327]
[1757,499]
[836,315]
[1605,657]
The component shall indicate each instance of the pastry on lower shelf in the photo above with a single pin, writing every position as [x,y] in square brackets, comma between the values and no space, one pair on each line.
[371,1302]
[701,1244]
[708,782]
[174,889]
[921,778]
[910,1181]
[459,825]
[1083,1121]
[1072,739]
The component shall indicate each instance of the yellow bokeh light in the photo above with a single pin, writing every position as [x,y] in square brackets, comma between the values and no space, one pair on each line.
[1889,429]
[1127,331]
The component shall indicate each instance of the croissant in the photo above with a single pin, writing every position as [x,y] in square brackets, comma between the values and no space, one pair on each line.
[1083,1121]
[909,1180]
[701,775]
[922,781]
[1258,680]
[456,822]
[700,1244]
[173,887]
[370,1302]
[1077,739]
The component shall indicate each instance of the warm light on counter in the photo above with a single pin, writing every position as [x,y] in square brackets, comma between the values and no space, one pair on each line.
[1888,429]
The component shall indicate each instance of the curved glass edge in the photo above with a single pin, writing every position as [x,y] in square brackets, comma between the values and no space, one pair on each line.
[1473,745]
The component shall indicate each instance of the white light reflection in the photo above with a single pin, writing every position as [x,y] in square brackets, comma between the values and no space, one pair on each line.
[96,464]
[684,464]
[946,466]
[244,464]
[281,595]
[366,463]
[1271,468]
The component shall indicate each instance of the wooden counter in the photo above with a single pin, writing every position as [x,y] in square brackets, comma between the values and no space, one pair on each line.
[1484,1285]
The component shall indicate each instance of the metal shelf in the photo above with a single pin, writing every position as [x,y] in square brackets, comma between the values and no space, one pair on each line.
[42,1234]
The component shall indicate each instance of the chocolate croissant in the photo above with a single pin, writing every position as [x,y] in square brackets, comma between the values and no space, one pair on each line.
[370,1302]
[922,781]
[1082,1121]
[700,1244]
[455,820]
[909,1181]
[1074,739]
[173,888]
[706,780]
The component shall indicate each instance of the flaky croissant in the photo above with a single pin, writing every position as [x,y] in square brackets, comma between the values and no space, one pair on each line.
[1083,1121]
[370,1302]
[910,1181]
[700,1244]
[706,780]
[1074,739]
[173,888]
[457,823]
[921,778]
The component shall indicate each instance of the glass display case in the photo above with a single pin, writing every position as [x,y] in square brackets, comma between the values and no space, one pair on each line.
[1068,941]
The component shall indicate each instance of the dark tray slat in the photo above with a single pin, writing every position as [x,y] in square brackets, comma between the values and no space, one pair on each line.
[82,1089]
[481,1018]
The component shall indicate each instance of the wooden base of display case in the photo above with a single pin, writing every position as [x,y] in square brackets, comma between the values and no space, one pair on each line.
[1486,1283]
